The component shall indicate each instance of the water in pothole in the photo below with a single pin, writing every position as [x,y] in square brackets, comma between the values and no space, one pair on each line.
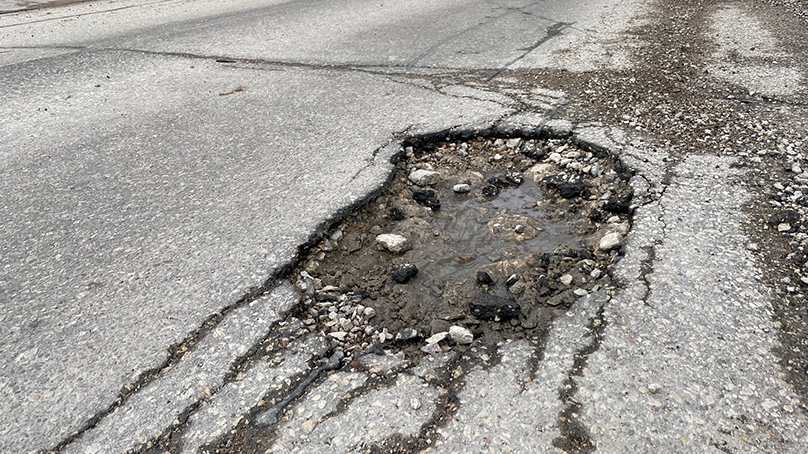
[481,230]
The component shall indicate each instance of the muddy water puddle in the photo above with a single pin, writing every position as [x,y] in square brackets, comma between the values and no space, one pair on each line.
[470,224]
[479,240]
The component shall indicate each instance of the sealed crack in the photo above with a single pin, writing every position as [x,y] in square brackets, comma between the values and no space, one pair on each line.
[175,353]
[574,436]
[449,381]
[270,351]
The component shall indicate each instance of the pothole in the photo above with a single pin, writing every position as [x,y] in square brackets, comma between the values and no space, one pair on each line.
[483,239]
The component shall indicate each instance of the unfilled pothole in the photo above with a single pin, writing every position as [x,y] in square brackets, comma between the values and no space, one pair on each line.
[505,234]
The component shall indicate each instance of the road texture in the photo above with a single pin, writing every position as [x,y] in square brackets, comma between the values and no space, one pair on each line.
[164,165]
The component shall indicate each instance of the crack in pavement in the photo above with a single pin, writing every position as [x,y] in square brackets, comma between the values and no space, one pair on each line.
[333,363]
[391,73]
[456,35]
[574,436]
[449,384]
[70,16]
[269,345]
[175,353]
[552,31]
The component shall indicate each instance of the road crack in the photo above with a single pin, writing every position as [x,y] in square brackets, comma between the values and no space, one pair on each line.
[574,438]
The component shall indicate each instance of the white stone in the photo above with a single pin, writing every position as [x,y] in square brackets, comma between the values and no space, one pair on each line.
[513,143]
[423,177]
[461,335]
[392,242]
[431,348]
[539,171]
[611,240]
[566,279]
[461,188]
[339,335]
[435,338]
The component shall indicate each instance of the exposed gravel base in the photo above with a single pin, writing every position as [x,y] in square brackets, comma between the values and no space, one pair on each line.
[361,293]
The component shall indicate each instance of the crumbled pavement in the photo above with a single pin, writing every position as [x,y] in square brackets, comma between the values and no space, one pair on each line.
[542,220]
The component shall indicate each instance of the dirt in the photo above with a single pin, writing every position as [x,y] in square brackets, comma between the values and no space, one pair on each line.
[501,260]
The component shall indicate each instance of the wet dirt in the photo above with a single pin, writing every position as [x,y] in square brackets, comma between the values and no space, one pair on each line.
[505,233]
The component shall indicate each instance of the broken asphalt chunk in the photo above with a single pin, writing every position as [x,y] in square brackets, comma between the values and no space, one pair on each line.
[427,198]
[494,308]
[403,273]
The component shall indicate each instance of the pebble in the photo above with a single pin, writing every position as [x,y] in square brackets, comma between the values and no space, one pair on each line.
[423,177]
[403,273]
[431,348]
[611,240]
[513,143]
[415,404]
[595,273]
[484,278]
[435,338]
[408,333]
[461,188]
[461,335]
[309,425]
[580,292]
[338,335]
[517,288]
[566,279]
[393,243]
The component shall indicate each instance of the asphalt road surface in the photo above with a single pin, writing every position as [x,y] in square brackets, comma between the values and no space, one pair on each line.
[161,162]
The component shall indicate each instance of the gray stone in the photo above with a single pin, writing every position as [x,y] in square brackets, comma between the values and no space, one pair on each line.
[396,244]
[611,240]
[461,188]
[461,335]
[423,177]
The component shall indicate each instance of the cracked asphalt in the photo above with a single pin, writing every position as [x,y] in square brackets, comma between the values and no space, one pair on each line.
[166,164]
